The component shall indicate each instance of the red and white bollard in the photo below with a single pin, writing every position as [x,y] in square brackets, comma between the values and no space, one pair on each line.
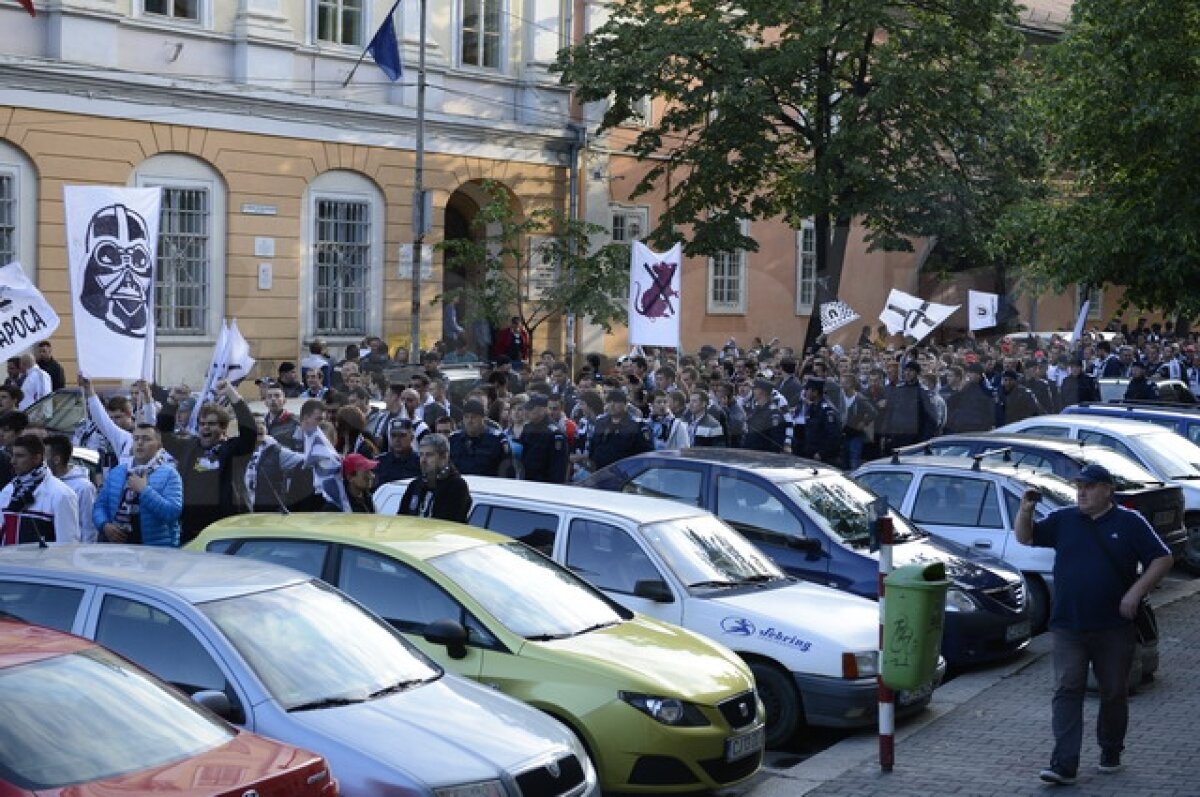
[887,698]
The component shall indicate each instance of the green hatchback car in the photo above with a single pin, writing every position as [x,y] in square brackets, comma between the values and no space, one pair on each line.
[660,709]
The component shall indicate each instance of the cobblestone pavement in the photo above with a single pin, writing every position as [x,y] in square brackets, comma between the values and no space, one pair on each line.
[995,741]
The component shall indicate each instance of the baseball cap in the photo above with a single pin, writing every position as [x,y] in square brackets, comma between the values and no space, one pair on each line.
[1094,474]
[356,463]
[400,425]
[473,407]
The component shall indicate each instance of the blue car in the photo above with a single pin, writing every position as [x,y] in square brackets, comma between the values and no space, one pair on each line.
[815,523]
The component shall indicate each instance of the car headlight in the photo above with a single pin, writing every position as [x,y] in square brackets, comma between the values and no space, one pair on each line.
[959,601]
[864,664]
[667,710]
[484,788]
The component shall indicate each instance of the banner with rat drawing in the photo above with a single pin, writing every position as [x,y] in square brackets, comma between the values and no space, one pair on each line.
[654,283]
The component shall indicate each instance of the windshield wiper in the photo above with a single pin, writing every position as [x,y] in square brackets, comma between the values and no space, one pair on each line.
[394,688]
[713,583]
[328,702]
[569,634]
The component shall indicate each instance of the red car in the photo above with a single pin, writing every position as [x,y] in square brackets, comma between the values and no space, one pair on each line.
[79,721]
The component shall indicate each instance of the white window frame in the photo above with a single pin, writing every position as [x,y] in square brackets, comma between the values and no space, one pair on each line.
[204,14]
[184,171]
[345,186]
[367,29]
[806,267]
[16,164]
[502,33]
[740,259]
[638,214]
[1096,309]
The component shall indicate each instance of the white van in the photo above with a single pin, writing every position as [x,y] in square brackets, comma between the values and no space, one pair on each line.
[812,648]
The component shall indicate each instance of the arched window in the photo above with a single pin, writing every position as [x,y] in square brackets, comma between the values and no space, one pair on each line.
[344,254]
[189,286]
[18,209]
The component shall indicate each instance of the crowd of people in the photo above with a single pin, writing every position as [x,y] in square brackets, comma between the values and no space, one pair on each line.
[331,429]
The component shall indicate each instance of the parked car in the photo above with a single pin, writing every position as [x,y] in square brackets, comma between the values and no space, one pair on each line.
[1182,419]
[812,649]
[1171,391]
[816,524]
[285,655]
[77,719]
[1170,457]
[659,708]
[1137,488]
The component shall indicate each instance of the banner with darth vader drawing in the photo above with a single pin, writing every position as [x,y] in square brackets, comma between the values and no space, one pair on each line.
[654,298]
[112,245]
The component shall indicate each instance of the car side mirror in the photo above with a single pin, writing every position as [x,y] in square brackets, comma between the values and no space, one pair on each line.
[653,589]
[215,701]
[449,633]
[807,545]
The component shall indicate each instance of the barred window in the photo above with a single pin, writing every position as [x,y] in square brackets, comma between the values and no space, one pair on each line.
[340,21]
[342,258]
[481,33]
[806,268]
[176,9]
[8,219]
[181,291]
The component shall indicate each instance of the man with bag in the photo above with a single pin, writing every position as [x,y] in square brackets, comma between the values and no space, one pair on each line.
[1098,590]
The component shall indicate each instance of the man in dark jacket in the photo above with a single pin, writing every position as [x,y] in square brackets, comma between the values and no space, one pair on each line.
[1017,402]
[616,435]
[439,492]
[822,438]
[909,416]
[972,407]
[766,429]
[206,461]
[1140,388]
[476,449]
[1078,387]
[400,461]
[544,447]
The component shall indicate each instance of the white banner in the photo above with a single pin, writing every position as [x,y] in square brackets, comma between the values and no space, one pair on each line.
[112,245]
[1077,335]
[981,309]
[654,283]
[913,315]
[26,317]
[835,315]
[231,360]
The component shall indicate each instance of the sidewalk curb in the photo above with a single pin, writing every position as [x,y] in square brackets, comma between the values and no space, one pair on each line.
[863,749]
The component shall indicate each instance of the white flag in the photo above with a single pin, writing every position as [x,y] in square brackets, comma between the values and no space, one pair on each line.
[982,308]
[835,315]
[654,283]
[112,246]
[913,315]
[25,316]
[230,360]
[1077,334]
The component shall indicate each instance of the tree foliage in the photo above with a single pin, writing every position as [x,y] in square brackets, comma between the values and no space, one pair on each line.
[898,113]
[537,266]
[1120,103]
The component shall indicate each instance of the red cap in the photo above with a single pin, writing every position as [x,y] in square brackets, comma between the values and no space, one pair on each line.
[353,463]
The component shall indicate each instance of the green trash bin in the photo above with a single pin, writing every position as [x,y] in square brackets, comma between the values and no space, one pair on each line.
[914,609]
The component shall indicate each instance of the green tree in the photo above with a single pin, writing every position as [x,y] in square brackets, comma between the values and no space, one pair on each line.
[537,267]
[1121,105]
[896,113]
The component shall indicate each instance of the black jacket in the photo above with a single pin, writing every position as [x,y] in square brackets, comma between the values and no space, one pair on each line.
[448,498]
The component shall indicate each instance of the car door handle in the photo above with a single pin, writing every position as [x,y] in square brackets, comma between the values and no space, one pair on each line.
[983,543]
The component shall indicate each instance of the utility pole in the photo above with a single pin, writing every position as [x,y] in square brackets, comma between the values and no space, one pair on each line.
[421,206]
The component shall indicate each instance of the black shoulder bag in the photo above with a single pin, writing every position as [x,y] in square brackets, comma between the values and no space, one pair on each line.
[1144,622]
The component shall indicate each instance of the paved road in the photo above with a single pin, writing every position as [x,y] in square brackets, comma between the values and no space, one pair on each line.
[987,733]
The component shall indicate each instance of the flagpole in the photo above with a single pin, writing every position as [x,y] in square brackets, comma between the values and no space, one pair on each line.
[420,223]
[366,49]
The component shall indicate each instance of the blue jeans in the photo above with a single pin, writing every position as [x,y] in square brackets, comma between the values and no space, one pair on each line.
[854,450]
[1110,653]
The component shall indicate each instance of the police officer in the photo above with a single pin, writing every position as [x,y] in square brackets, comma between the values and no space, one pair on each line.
[544,446]
[765,428]
[616,435]
[400,461]
[477,449]
[822,438]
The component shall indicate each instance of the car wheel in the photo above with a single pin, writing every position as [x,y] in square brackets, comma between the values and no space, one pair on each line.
[781,701]
[1037,595]
[1191,548]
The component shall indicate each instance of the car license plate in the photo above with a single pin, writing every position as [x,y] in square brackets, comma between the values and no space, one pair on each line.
[1165,518]
[1016,631]
[738,747]
[907,697]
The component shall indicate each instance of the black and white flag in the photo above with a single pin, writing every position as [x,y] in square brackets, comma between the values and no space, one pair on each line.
[835,315]
[982,309]
[912,315]
[112,246]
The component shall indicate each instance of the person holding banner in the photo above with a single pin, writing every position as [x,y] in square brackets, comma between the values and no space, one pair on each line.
[206,461]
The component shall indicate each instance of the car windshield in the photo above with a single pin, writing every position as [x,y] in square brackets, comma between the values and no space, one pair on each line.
[90,716]
[703,550]
[312,647]
[529,594]
[844,509]
[1169,454]
[1127,474]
